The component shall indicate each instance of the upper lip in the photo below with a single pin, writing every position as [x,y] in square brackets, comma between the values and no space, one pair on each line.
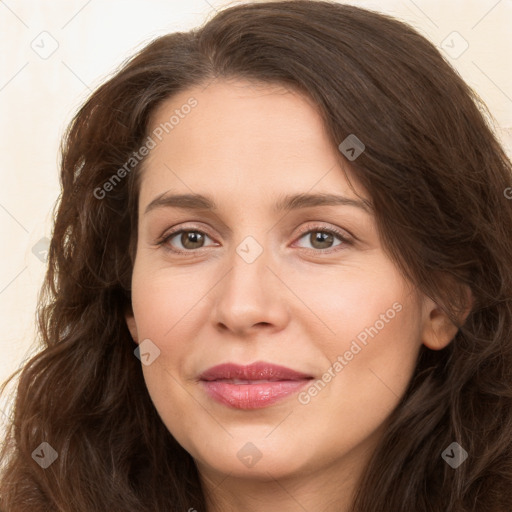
[259,370]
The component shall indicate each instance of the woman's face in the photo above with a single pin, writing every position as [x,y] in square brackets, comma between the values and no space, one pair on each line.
[271,270]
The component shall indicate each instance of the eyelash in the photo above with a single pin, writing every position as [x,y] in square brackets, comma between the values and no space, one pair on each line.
[303,231]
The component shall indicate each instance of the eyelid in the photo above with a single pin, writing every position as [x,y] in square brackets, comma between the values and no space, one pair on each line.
[319,226]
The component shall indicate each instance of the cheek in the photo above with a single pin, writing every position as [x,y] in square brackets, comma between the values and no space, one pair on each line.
[356,303]
[361,385]
[166,306]
[165,301]
[170,308]
[370,342]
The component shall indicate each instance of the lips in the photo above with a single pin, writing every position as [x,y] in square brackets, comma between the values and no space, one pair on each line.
[253,386]
[259,371]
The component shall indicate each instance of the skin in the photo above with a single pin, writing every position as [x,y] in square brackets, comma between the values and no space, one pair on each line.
[297,304]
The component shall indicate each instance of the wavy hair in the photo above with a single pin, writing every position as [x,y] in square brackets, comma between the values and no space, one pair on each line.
[437,177]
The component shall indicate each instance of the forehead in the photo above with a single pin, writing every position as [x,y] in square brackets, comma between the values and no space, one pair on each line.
[241,134]
[229,113]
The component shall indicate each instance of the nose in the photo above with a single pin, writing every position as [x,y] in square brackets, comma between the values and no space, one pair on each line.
[250,297]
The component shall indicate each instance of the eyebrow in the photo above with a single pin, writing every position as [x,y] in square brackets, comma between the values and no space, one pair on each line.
[285,203]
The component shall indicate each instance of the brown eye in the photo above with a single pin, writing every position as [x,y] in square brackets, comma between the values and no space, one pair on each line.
[185,240]
[321,239]
[192,239]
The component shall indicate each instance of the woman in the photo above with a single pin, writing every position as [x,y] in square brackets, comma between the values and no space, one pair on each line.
[279,279]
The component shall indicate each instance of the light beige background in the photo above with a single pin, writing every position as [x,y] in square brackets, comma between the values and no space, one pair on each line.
[40,92]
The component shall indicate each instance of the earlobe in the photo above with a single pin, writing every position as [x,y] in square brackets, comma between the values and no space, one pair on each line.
[438,329]
[132,326]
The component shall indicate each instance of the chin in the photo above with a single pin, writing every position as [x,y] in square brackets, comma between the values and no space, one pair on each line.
[262,459]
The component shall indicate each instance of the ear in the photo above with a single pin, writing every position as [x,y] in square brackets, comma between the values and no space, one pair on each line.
[132,326]
[438,330]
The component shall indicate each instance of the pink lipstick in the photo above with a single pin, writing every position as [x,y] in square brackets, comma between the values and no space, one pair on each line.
[253,386]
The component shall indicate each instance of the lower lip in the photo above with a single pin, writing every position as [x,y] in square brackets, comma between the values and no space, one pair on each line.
[252,396]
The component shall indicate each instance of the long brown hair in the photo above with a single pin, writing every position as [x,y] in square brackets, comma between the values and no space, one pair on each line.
[436,175]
